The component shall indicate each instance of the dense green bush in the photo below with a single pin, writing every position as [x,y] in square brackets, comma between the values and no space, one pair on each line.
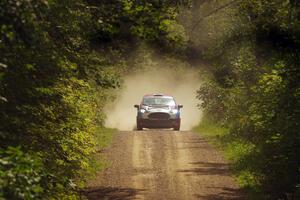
[49,103]
[255,93]
[20,174]
[59,61]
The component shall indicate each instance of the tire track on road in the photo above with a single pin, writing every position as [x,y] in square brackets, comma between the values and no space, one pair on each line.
[163,165]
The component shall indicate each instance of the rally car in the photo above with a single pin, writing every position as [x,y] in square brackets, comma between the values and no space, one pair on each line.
[158,111]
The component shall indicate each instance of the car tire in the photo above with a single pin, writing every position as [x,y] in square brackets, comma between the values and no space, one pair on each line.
[139,128]
[177,128]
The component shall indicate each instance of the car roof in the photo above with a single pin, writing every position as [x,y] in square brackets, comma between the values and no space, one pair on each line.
[157,95]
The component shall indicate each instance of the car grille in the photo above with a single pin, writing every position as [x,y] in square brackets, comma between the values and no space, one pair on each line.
[163,107]
[159,116]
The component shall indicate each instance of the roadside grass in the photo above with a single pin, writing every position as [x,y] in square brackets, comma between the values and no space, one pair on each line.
[236,151]
[103,138]
[211,131]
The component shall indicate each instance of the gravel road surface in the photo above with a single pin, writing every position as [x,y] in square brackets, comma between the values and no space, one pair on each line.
[163,165]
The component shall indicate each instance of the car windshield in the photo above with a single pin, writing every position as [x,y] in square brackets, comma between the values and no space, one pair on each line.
[159,101]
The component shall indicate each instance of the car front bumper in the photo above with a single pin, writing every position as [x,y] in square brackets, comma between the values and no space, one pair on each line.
[158,123]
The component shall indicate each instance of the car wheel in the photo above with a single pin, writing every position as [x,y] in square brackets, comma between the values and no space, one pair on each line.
[138,127]
[177,128]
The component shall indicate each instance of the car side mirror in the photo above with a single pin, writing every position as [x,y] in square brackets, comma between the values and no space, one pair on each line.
[180,106]
[136,106]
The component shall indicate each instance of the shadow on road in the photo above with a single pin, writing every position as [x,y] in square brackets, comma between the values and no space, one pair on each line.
[111,193]
[206,168]
[226,194]
[194,141]
[201,168]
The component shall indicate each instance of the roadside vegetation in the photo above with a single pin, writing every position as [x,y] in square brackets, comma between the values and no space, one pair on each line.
[235,151]
[252,92]
[60,62]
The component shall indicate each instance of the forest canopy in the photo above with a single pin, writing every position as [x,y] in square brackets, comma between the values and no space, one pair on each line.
[254,92]
[61,60]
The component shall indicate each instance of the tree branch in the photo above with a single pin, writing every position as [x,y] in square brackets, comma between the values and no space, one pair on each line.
[213,12]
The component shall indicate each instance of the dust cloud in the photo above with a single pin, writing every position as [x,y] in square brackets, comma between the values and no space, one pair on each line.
[182,83]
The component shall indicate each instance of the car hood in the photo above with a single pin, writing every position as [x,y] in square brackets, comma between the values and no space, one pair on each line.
[159,106]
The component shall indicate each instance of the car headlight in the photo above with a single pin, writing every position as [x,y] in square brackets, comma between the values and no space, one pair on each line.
[175,111]
[142,110]
[144,107]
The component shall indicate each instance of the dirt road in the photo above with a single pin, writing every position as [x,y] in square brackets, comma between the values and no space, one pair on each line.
[162,165]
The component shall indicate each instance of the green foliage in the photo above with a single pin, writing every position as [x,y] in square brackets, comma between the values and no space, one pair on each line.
[210,128]
[50,104]
[237,151]
[254,92]
[212,100]
[20,174]
[126,20]
[59,62]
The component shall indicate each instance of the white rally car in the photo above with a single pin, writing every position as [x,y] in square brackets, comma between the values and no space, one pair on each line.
[158,111]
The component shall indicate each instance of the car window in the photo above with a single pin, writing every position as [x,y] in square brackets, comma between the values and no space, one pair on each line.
[159,101]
